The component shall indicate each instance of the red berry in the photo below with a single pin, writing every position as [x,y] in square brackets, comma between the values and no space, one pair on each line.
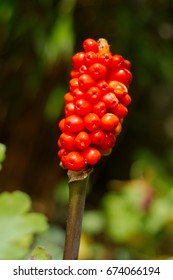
[110,99]
[74,161]
[90,58]
[78,94]
[93,95]
[118,129]
[104,58]
[109,141]
[74,123]
[74,83]
[90,45]
[85,82]
[82,140]
[92,122]
[118,88]
[123,75]
[97,137]
[74,74]
[109,122]
[67,141]
[62,152]
[62,125]
[120,111]
[99,109]
[70,109]
[78,60]
[126,100]
[116,62]
[83,107]
[127,64]
[68,98]
[97,71]
[91,155]
[103,86]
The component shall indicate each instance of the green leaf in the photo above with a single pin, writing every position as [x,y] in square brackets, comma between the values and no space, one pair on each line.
[18,227]
[123,219]
[14,203]
[160,214]
[39,253]
[53,241]
[61,41]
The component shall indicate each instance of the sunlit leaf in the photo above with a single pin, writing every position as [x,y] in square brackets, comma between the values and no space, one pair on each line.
[61,41]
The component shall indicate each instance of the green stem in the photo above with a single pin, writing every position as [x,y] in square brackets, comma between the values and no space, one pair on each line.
[77,193]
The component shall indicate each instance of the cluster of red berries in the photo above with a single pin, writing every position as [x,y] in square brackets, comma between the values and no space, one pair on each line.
[95,105]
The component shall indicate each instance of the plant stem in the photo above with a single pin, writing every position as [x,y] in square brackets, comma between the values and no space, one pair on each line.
[77,193]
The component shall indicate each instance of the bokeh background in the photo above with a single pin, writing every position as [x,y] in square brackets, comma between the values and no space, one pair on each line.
[129,207]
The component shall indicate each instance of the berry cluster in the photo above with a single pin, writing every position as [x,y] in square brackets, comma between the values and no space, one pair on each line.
[95,105]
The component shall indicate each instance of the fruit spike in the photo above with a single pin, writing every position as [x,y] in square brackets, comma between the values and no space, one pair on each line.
[95,105]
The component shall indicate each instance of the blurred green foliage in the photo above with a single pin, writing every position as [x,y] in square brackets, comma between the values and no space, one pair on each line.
[39,253]
[136,216]
[129,207]
[18,227]
[52,242]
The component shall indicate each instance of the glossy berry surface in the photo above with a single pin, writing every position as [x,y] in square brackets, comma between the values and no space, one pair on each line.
[83,107]
[74,123]
[109,142]
[70,109]
[109,122]
[97,137]
[99,109]
[85,82]
[110,99]
[95,105]
[67,141]
[93,95]
[91,155]
[74,161]
[90,45]
[82,140]
[78,60]
[97,71]
[92,122]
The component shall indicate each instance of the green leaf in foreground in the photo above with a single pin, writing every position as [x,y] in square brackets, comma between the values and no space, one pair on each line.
[18,226]
[39,253]
[53,241]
